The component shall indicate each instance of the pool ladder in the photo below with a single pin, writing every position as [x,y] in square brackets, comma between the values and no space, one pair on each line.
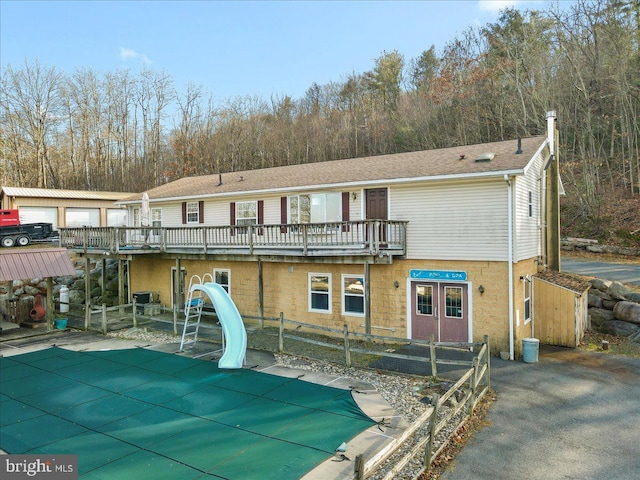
[193,312]
[193,315]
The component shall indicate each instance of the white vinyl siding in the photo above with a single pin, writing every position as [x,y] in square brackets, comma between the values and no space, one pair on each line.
[171,214]
[528,243]
[217,212]
[454,221]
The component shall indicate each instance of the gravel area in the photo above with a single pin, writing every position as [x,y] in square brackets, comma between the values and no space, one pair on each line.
[408,395]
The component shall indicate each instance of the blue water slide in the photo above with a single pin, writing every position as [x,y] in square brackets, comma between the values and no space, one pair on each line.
[235,334]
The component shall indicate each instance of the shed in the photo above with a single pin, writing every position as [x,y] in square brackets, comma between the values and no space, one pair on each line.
[560,308]
[19,264]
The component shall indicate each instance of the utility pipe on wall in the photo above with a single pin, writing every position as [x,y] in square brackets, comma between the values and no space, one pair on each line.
[510,260]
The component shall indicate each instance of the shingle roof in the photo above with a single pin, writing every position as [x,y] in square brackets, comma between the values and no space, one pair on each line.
[445,162]
[19,264]
[570,281]
[54,193]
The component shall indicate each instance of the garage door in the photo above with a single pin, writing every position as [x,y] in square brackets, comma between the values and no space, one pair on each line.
[116,217]
[83,217]
[39,215]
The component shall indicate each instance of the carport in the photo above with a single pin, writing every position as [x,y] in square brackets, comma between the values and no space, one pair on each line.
[20,264]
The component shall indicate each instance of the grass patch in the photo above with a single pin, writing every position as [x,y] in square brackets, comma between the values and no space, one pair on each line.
[592,342]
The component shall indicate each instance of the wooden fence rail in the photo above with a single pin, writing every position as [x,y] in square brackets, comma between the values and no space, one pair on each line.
[348,348]
[102,310]
[478,377]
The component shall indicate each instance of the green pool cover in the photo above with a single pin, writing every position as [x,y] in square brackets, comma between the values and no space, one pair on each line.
[138,414]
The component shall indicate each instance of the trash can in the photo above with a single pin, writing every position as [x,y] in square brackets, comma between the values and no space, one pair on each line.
[530,348]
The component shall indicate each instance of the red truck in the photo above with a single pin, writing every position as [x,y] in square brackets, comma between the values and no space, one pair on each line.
[13,233]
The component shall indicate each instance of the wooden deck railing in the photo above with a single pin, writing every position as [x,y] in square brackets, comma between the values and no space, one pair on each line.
[363,237]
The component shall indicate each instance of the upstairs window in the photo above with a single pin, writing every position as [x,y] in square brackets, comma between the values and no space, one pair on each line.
[193,212]
[315,208]
[247,213]
[156,216]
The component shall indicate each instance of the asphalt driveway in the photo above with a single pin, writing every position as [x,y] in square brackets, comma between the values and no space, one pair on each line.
[622,272]
[572,415]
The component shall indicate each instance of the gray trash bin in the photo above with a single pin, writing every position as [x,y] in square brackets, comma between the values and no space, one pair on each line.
[530,347]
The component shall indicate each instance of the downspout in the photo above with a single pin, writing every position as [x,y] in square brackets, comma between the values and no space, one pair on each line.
[510,260]
[543,217]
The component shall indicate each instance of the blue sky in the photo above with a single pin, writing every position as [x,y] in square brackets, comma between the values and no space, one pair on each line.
[234,48]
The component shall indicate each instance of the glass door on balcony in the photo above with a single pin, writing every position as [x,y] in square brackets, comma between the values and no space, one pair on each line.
[377,209]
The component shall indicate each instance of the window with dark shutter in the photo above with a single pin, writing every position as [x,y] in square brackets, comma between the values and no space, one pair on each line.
[184,213]
[260,216]
[201,211]
[283,214]
[232,216]
[345,210]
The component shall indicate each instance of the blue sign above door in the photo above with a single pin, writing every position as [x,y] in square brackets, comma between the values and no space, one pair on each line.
[438,275]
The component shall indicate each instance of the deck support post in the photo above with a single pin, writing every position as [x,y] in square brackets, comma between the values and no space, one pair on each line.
[178,287]
[87,292]
[367,299]
[260,294]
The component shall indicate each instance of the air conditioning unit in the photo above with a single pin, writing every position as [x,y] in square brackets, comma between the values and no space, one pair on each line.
[143,297]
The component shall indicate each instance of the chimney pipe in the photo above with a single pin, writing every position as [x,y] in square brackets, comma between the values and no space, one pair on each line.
[219,179]
[519,151]
[551,130]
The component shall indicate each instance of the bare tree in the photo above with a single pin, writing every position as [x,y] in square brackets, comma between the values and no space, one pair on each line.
[32,106]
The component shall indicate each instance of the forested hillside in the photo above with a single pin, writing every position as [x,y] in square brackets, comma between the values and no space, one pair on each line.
[129,132]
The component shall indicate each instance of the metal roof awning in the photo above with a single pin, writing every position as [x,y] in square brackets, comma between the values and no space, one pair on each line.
[35,263]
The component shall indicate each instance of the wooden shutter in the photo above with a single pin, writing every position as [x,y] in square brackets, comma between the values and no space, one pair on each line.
[232,217]
[283,214]
[201,211]
[345,210]
[260,216]
[184,213]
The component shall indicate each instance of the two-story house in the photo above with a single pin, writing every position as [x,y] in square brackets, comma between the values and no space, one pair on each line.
[440,242]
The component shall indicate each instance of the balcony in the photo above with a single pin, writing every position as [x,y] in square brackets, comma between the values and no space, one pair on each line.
[357,238]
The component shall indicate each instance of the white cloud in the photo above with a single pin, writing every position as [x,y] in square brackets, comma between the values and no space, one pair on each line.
[129,54]
[497,5]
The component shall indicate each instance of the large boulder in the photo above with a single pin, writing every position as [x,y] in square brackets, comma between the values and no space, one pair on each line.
[600,284]
[598,316]
[618,291]
[76,297]
[618,327]
[31,290]
[634,297]
[596,297]
[627,311]
[112,284]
